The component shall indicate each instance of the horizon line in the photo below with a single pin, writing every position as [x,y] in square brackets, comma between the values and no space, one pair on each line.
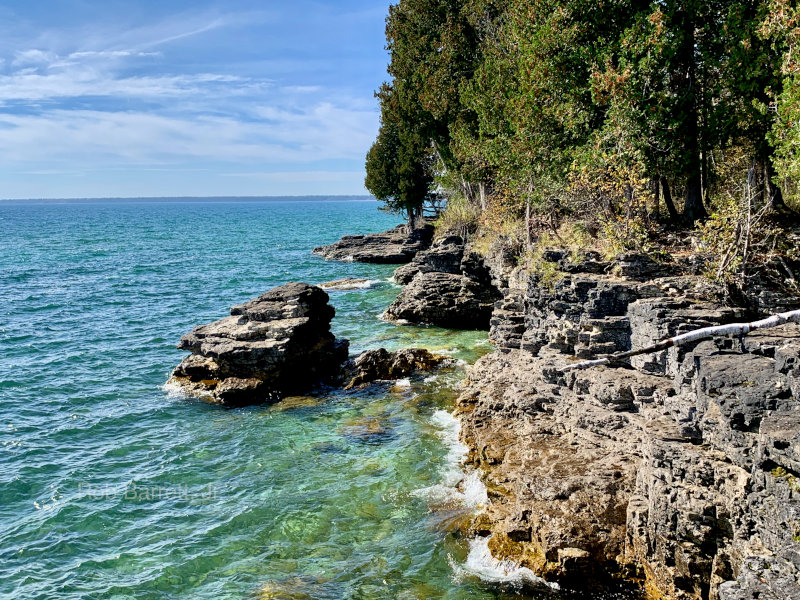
[300,197]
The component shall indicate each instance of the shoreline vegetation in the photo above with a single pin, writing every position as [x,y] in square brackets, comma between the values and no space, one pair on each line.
[660,128]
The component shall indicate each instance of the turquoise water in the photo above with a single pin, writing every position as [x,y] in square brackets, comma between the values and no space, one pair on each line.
[110,487]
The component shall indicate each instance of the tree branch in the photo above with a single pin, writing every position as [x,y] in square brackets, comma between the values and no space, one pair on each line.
[737,329]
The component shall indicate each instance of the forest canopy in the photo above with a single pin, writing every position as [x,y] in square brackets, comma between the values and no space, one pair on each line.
[620,114]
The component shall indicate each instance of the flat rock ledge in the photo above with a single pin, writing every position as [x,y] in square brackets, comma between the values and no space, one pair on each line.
[382,365]
[395,247]
[277,344]
[447,286]
[680,472]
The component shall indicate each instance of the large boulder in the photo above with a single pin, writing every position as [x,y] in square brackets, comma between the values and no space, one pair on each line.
[279,343]
[448,286]
[396,246]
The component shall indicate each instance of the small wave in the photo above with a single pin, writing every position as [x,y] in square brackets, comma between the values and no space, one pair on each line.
[385,317]
[402,384]
[457,488]
[350,284]
[480,563]
[174,390]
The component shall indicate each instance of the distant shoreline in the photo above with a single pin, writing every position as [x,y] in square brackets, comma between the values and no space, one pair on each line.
[156,199]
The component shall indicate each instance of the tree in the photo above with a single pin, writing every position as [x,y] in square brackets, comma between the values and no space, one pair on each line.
[399,169]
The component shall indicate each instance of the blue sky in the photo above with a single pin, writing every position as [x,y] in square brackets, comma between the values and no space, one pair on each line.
[128,98]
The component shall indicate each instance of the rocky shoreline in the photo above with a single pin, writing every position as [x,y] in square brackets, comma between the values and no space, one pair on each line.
[677,471]
[675,475]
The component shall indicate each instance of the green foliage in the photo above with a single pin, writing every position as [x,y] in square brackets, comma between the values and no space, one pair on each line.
[791,480]
[538,112]
[459,217]
[399,169]
[781,26]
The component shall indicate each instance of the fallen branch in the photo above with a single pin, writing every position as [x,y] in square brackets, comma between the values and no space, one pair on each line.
[732,329]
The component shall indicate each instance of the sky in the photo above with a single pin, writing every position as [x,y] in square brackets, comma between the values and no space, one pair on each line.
[110,98]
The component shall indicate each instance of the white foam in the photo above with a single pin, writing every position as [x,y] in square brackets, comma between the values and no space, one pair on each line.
[385,317]
[352,284]
[402,383]
[447,350]
[456,488]
[480,563]
[174,390]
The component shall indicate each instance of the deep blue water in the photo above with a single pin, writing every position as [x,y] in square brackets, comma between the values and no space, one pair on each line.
[110,487]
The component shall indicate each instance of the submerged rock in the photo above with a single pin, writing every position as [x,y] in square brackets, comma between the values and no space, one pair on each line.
[279,343]
[373,365]
[395,246]
[446,286]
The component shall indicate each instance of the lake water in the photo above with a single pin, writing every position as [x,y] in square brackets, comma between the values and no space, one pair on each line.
[112,487]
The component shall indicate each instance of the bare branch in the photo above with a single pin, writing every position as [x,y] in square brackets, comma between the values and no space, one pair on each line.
[732,329]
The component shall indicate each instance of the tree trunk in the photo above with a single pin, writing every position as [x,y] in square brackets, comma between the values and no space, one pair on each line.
[656,189]
[774,193]
[673,213]
[693,209]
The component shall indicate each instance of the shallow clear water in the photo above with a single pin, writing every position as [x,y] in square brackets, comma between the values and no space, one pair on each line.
[112,488]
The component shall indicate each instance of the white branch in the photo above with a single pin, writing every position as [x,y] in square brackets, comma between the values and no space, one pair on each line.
[732,329]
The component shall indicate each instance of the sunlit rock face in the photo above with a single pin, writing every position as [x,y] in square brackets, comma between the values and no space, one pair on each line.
[679,471]
[279,343]
[447,286]
[396,246]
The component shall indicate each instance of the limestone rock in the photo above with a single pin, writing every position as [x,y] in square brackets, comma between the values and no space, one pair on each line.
[276,344]
[448,286]
[373,365]
[682,469]
[395,246]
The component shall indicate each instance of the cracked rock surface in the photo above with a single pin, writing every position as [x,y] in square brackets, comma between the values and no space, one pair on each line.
[678,471]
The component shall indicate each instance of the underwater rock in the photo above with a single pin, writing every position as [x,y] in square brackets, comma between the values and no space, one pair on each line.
[279,343]
[395,246]
[373,365]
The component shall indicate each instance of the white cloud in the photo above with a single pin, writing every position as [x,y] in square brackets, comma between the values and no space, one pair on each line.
[87,137]
[32,57]
[29,85]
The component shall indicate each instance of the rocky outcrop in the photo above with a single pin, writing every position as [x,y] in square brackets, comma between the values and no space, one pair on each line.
[279,343]
[395,246]
[448,286]
[380,364]
[679,471]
